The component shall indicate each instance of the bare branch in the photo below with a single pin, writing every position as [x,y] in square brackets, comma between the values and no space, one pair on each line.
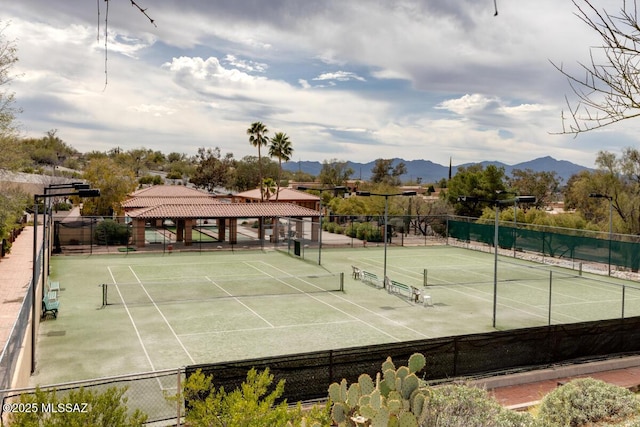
[610,89]
[106,32]
[144,12]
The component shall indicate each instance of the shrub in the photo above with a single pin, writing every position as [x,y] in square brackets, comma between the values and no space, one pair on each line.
[102,409]
[252,404]
[62,207]
[464,406]
[364,231]
[109,232]
[585,401]
[333,227]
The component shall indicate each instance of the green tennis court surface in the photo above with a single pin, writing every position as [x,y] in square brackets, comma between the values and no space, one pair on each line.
[140,312]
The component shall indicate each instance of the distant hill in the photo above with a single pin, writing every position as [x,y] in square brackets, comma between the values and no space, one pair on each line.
[432,172]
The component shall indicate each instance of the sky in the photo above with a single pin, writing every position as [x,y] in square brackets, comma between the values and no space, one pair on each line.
[345,80]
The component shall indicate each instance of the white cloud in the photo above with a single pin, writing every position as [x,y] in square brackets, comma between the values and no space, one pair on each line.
[341,76]
[212,67]
[468,104]
[210,70]
[248,66]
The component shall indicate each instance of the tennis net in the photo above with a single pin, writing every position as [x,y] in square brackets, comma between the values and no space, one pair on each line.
[209,288]
[507,271]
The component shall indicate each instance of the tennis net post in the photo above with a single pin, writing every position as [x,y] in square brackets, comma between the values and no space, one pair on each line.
[104,287]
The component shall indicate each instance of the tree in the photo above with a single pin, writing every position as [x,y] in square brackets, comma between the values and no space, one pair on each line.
[334,173]
[212,169]
[281,148]
[384,172]
[429,216]
[257,137]
[268,188]
[11,149]
[477,182]
[542,185]
[609,91]
[618,178]
[246,176]
[114,182]
[8,59]
[49,150]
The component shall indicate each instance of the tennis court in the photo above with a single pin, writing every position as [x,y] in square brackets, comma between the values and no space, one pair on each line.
[134,313]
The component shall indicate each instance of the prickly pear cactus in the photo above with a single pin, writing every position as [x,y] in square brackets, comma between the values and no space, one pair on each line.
[353,395]
[389,381]
[366,384]
[381,418]
[394,400]
[339,412]
[417,362]
[334,392]
[388,364]
[402,372]
[409,384]
[407,419]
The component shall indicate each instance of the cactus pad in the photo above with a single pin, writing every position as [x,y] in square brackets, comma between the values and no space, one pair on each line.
[417,362]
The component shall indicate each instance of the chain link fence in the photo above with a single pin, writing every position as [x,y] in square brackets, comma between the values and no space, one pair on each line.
[149,392]
[13,347]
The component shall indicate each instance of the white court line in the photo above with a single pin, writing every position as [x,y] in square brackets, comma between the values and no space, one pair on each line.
[162,315]
[339,297]
[301,325]
[241,303]
[144,349]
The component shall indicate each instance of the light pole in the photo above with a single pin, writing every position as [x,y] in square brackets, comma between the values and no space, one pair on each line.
[82,192]
[386,210]
[47,210]
[605,196]
[334,189]
[496,236]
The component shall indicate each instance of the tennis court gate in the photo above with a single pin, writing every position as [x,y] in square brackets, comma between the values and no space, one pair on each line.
[294,236]
[308,375]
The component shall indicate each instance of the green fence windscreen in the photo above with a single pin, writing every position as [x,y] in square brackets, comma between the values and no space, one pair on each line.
[551,243]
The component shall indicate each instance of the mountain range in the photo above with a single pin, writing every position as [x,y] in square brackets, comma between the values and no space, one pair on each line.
[430,172]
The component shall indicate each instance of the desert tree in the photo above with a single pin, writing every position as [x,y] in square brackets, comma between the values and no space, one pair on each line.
[609,90]
[335,172]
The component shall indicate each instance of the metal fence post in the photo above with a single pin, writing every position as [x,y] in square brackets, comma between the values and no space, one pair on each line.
[179,397]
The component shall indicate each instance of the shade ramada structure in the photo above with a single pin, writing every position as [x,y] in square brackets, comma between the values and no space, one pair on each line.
[185,206]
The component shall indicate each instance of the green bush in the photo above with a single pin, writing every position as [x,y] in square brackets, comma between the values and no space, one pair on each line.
[585,401]
[80,407]
[62,207]
[110,232]
[364,231]
[251,405]
[463,406]
[333,227]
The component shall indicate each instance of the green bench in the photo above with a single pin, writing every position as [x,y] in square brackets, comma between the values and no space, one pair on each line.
[395,287]
[54,286]
[50,304]
[370,278]
[414,294]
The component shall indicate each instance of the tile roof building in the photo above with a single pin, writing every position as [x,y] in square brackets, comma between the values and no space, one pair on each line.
[187,207]
[285,195]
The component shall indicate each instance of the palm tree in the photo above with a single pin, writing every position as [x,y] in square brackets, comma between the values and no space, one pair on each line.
[281,148]
[257,138]
[268,188]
